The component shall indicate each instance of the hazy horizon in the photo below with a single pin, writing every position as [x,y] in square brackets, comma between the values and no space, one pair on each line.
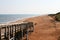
[29,6]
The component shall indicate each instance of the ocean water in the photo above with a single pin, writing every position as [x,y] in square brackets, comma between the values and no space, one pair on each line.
[4,18]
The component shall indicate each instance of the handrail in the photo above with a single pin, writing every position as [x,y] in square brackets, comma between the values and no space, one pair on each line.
[10,30]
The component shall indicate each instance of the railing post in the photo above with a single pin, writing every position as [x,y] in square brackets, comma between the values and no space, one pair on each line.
[15,32]
[12,31]
[32,27]
[19,28]
[0,32]
[22,31]
[27,32]
[8,33]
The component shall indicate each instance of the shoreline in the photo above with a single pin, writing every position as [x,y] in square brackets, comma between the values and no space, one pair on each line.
[24,18]
[20,19]
[16,21]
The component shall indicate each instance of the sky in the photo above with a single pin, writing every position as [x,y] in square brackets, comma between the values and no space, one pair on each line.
[29,6]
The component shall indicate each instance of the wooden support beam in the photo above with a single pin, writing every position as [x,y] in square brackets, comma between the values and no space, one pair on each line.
[12,31]
[22,32]
[32,26]
[15,32]
[8,33]
[27,32]
[19,28]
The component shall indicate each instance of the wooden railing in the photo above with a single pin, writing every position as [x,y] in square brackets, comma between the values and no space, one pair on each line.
[17,31]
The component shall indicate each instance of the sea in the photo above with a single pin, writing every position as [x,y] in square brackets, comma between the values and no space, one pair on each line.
[6,18]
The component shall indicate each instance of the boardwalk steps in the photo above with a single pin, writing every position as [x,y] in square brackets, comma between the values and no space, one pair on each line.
[16,31]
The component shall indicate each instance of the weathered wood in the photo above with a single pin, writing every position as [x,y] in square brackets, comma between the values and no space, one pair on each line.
[22,34]
[27,32]
[12,31]
[8,33]
[20,29]
[0,32]
[15,32]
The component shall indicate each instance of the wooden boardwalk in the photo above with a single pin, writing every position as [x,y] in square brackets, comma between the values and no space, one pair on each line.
[17,31]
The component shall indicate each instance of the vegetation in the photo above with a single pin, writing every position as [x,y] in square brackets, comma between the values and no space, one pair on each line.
[57,16]
[51,15]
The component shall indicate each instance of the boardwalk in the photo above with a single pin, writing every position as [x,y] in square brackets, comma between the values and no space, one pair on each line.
[17,31]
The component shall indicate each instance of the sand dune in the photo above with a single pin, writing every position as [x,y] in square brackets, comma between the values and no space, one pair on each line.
[45,28]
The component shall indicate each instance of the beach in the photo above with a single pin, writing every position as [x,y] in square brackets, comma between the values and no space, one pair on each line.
[45,28]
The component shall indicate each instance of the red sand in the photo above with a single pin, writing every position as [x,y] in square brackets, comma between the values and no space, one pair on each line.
[44,28]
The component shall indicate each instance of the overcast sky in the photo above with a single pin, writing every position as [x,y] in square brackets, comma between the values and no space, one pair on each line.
[30,6]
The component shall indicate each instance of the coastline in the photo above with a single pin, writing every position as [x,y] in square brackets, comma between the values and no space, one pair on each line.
[26,18]
[43,27]
[15,21]
[18,19]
